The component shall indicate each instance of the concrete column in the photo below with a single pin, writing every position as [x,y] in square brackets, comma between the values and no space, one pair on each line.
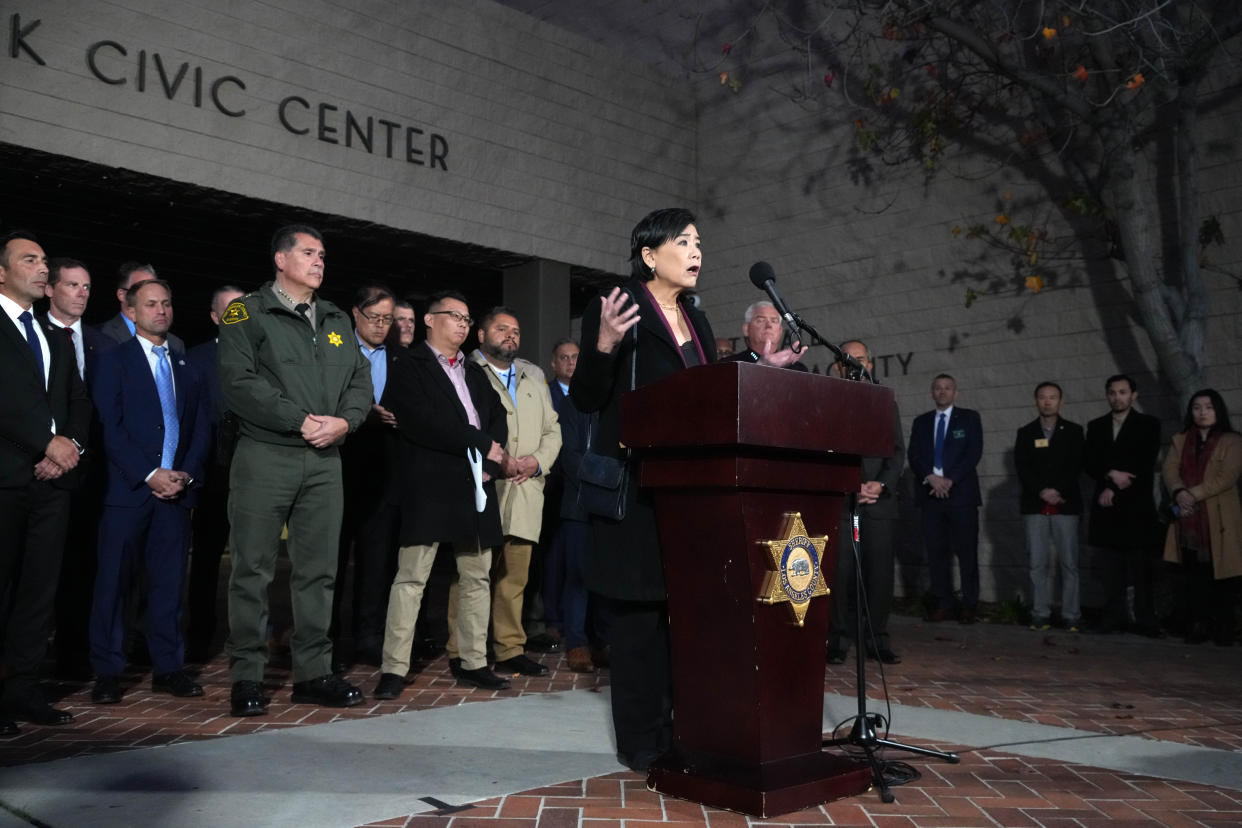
[539,292]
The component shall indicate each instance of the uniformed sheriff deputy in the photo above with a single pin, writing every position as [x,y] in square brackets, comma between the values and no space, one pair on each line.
[297,385]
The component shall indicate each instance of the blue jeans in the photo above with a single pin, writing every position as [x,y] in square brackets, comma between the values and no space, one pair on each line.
[1042,533]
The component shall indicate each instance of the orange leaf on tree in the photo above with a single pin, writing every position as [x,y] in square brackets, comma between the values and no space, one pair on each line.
[1035,283]
[1081,73]
[1135,81]
[1002,219]
[1049,33]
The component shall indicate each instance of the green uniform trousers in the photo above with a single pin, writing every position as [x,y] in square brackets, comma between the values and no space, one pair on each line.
[469,603]
[271,486]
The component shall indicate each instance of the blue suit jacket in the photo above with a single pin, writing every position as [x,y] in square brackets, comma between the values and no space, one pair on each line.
[133,425]
[963,447]
[574,425]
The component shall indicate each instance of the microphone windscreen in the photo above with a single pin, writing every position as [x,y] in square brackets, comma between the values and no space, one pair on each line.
[761,272]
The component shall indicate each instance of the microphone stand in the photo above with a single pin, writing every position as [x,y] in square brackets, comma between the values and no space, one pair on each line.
[865,732]
[795,321]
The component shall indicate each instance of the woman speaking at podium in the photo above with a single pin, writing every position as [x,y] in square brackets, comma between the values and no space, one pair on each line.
[633,336]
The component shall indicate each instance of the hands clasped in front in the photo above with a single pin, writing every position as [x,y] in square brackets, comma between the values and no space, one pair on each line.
[60,456]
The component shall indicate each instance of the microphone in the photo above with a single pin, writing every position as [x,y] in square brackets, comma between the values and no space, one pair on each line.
[763,277]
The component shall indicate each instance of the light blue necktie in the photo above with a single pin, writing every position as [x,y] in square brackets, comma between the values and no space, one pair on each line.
[33,339]
[168,405]
[510,383]
[938,458]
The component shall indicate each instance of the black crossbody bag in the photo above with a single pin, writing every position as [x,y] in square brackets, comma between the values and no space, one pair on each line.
[604,480]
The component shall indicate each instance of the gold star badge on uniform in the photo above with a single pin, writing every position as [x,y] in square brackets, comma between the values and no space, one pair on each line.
[335,338]
[796,575]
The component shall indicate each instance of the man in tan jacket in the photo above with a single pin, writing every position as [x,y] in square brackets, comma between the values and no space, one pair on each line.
[533,443]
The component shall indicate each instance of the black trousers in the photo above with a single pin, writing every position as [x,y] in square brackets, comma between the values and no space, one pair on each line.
[209,537]
[950,530]
[642,698]
[1125,566]
[878,540]
[33,523]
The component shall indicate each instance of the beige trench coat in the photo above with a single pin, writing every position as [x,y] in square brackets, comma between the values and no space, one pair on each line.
[534,430]
[1218,494]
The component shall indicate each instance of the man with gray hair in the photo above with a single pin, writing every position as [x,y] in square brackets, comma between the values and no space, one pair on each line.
[761,327]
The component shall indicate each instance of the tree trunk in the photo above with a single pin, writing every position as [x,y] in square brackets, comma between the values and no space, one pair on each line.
[1137,231]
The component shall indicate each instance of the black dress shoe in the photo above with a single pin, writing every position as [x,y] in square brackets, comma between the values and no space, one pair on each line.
[481,677]
[8,727]
[107,690]
[883,655]
[389,687]
[455,667]
[326,691]
[177,683]
[522,665]
[247,699]
[640,762]
[41,713]
[836,655]
[544,643]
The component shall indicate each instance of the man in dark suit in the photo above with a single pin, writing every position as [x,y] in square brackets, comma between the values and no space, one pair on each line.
[877,530]
[453,428]
[210,530]
[1048,456]
[944,450]
[68,291]
[369,522]
[1120,456]
[156,438]
[44,419]
[120,328]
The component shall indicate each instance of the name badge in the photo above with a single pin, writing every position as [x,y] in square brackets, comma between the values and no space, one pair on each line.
[1041,442]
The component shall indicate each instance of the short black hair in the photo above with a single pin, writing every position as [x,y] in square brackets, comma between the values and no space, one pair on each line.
[440,295]
[128,268]
[13,235]
[55,266]
[284,238]
[220,291]
[949,377]
[1218,403]
[1049,384]
[402,303]
[1120,378]
[564,340]
[370,294]
[653,230]
[493,313]
[131,295]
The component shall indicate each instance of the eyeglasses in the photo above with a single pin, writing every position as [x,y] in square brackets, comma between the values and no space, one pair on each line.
[458,316]
[375,318]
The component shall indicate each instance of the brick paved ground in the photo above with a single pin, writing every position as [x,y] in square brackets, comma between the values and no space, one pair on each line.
[1160,689]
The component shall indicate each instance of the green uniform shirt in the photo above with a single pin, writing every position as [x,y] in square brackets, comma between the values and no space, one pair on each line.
[275,368]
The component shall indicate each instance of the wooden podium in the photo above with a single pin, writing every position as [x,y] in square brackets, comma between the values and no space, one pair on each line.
[727,451]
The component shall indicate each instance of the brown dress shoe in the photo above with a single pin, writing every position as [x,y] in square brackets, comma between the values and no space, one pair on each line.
[579,660]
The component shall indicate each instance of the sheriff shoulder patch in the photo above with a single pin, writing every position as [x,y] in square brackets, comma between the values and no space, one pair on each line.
[234,313]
